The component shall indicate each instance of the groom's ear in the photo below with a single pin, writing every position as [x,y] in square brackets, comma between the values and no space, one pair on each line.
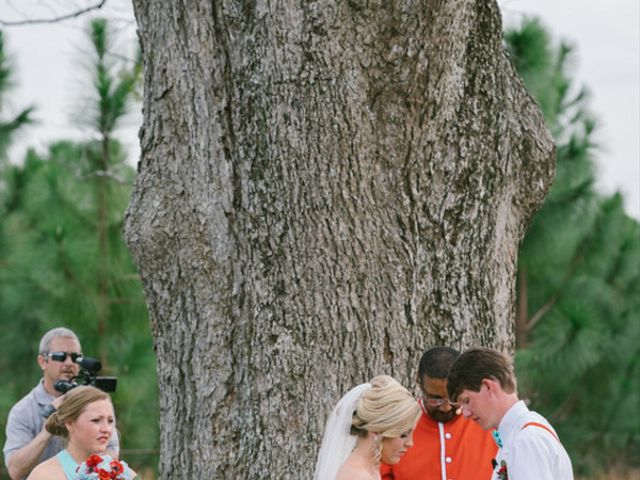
[491,385]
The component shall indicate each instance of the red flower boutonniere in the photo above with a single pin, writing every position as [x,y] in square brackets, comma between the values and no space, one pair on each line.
[502,471]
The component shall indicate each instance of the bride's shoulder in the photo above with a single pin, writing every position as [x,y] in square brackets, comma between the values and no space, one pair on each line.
[350,471]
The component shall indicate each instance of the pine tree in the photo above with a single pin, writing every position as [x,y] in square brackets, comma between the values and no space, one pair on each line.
[579,280]
[65,262]
[14,356]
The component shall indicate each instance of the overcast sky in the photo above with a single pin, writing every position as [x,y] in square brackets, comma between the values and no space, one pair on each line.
[606,39]
[605,33]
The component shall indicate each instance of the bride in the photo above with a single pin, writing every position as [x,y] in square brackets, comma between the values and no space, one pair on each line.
[372,423]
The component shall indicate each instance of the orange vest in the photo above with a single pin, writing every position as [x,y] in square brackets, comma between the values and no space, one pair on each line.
[459,446]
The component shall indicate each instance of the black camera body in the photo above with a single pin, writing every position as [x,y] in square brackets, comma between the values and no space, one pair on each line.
[89,368]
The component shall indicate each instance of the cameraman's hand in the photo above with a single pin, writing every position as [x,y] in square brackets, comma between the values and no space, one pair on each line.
[47,410]
[57,401]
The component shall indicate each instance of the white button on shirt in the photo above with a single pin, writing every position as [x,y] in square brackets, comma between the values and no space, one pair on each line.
[447,436]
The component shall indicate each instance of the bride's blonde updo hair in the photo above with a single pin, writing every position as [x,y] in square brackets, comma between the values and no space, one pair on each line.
[387,408]
[74,403]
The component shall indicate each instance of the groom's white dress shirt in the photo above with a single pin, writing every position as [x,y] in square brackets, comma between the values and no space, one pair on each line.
[531,449]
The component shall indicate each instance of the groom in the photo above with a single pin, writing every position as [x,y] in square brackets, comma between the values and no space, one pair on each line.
[484,381]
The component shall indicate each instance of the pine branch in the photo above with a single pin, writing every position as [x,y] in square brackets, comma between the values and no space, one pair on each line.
[576,260]
[125,301]
[535,318]
[66,268]
[33,21]
[105,173]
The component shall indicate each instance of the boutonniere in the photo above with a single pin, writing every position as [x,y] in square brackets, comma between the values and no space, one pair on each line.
[502,471]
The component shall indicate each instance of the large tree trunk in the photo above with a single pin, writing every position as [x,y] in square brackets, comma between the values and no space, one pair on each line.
[326,189]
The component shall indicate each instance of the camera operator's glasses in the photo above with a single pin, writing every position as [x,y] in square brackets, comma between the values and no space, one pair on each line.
[62,356]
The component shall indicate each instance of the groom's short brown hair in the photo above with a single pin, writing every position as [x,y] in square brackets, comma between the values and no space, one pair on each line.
[476,364]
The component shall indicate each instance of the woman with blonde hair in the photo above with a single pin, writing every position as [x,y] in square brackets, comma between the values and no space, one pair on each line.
[372,423]
[85,420]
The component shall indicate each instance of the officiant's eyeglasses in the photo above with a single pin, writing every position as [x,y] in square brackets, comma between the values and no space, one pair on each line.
[61,356]
[437,401]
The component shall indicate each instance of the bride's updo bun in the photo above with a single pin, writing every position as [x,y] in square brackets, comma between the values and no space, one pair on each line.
[74,403]
[378,409]
[387,408]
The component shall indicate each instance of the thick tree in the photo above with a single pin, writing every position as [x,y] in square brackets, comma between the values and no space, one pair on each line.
[325,189]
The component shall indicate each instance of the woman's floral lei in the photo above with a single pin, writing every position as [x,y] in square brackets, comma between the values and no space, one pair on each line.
[103,467]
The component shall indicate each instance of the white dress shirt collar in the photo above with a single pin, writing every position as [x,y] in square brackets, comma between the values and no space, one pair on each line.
[512,421]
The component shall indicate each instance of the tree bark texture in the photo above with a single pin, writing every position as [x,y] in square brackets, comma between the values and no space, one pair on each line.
[326,189]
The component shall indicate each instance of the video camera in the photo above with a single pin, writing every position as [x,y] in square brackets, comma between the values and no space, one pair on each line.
[89,368]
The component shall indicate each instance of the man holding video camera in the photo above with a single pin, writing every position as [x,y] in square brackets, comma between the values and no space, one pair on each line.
[28,443]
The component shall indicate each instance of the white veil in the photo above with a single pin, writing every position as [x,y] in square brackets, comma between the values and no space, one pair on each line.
[337,444]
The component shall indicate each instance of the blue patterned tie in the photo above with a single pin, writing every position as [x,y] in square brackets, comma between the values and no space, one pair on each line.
[496,438]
